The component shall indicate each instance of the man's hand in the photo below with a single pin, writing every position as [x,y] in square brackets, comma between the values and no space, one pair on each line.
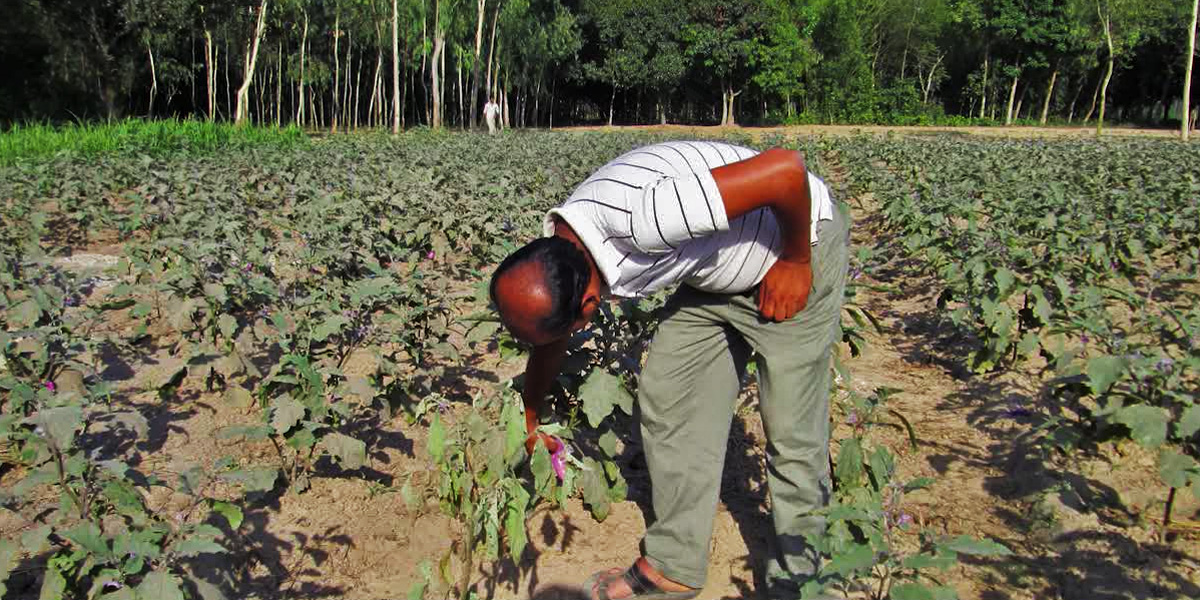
[549,442]
[784,290]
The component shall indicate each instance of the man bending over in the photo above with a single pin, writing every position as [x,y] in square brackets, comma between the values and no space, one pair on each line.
[759,251]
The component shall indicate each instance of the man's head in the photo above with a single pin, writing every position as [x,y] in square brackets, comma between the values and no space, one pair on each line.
[544,291]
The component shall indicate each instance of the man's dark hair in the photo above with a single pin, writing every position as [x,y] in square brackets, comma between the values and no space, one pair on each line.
[566,273]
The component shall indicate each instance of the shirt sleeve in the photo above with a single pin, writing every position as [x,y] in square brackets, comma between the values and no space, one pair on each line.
[675,210]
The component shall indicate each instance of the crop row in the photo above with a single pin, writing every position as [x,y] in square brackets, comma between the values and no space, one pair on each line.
[1077,257]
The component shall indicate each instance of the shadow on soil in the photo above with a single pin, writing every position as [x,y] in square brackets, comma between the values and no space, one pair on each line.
[1071,533]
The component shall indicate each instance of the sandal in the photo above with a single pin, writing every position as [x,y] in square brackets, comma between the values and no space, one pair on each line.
[596,587]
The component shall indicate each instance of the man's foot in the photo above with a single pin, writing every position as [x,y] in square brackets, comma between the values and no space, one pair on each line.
[639,582]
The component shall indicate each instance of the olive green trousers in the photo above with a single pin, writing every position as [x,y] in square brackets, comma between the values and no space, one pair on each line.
[687,396]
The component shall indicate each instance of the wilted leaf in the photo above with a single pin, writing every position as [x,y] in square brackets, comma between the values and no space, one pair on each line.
[159,585]
[350,453]
[254,433]
[849,463]
[437,439]
[967,545]
[196,545]
[595,489]
[60,424]
[88,536]
[911,591]
[231,512]
[1175,468]
[216,291]
[228,325]
[857,557]
[286,412]
[33,541]
[599,392]
[1103,371]
[239,397]
[253,479]
[1147,424]
[134,421]
[1189,422]
[332,325]
[608,443]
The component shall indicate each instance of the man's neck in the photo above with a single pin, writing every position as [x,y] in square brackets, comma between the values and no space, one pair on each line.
[563,230]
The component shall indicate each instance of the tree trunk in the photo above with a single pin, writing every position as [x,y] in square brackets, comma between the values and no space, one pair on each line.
[462,117]
[439,46]
[1074,98]
[611,103]
[1049,95]
[553,86]
[346,85]
[337,69]
[395,69]
[357,89]
[474,113]
[243,94]
[1108,71]
[492,50]
[1095,95]
[1012,96]
[1185,116]
[279,88]
[929,81]
[210,76]
[153,81]
[729,113]
[504,95]
[300,87]
[983,93]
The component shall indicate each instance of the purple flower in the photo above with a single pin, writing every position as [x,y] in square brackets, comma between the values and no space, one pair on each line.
[70,301]
[247,268]
[1164,365]
[431,255]
[558,460]
[852,418]
[1084,338]
[49,385]
[905,519]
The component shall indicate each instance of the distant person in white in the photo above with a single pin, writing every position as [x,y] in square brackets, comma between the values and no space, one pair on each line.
[759,252]
[491,113]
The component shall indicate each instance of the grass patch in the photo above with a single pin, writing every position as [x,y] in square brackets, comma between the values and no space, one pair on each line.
[135,136]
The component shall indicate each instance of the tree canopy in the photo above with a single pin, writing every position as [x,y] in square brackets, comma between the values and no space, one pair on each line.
[319,63]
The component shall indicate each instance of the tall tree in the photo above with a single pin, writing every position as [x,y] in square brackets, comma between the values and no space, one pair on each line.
[251,58]
[1185,116]
[724,36]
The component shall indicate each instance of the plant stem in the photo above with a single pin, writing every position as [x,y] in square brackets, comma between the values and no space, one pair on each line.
[62,481]
[1167,514]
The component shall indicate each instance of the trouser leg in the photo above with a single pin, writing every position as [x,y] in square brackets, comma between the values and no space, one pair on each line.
[686,394]
[794,389]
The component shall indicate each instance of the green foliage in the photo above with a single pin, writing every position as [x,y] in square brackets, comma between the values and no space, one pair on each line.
[102,536]
[1079,253]
[153,138]
[872,542]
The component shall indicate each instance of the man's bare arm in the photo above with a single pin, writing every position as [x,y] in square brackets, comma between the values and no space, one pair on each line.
[776,179]
[544,364]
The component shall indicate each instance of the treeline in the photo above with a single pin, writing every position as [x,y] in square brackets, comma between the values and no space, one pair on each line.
[339,64]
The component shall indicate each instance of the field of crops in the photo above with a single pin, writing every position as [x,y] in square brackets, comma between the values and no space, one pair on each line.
[270,371]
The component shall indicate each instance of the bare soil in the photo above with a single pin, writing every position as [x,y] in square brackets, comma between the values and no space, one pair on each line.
[1081,527]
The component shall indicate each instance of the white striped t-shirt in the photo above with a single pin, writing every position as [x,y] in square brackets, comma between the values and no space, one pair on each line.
[653,217]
